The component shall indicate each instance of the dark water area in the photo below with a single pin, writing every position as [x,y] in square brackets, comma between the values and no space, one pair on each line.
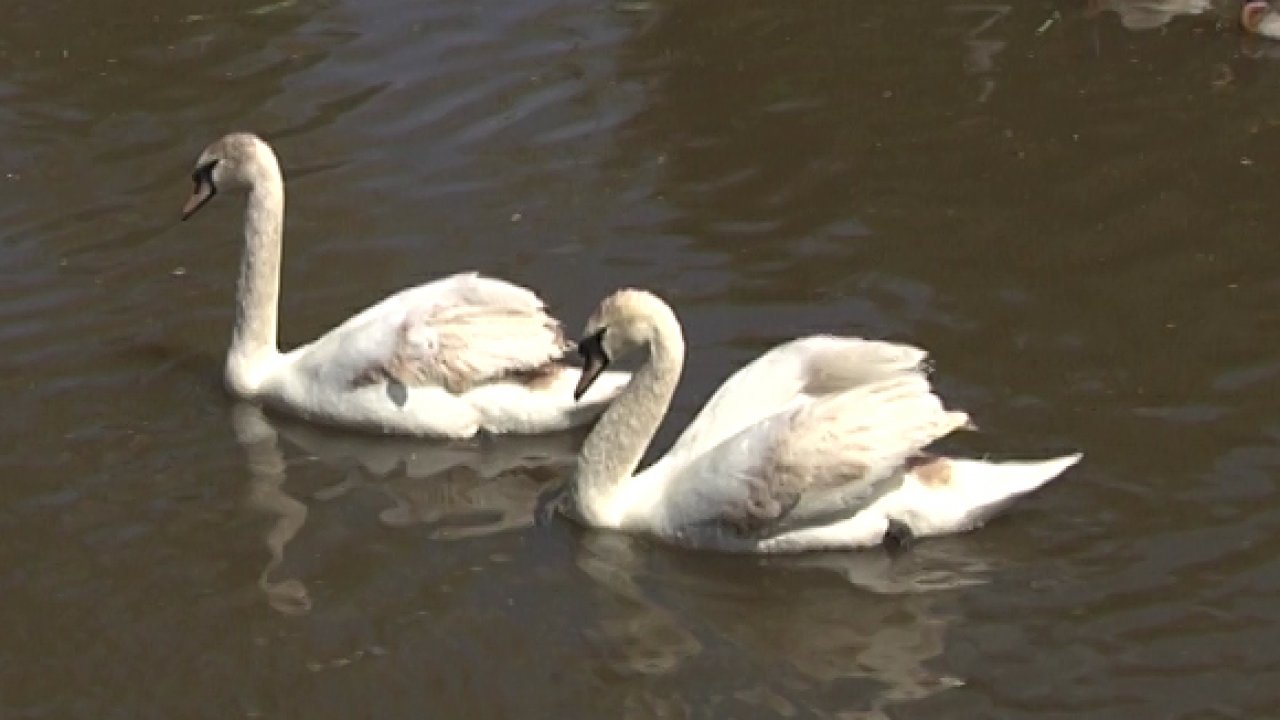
[1076,215]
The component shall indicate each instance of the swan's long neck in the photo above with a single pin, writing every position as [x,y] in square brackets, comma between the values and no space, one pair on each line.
[615,447]
[253,340]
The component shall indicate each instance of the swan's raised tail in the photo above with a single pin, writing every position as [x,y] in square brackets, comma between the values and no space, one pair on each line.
[947,495]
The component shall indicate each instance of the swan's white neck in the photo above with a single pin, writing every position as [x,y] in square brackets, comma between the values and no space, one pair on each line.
[253,341]
[613,450]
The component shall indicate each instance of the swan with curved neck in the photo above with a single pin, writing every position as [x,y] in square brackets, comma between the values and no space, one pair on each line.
[817,444]
[451,358]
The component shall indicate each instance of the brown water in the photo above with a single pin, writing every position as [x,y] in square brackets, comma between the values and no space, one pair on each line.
[1077,219]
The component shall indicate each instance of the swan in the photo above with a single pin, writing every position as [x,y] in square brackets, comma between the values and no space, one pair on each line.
[816,445]
[1259,18]
[446,359]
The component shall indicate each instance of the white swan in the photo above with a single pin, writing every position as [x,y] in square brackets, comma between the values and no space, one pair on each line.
[815,445]
[1260,18]
[446,359]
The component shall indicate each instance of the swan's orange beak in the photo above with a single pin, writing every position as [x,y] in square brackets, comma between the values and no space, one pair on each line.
[203,193]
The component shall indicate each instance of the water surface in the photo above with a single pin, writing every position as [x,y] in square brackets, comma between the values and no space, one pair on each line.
[1076,217]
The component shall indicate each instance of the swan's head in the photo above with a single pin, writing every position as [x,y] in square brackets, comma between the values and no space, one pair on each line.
[237,161]
[626,321]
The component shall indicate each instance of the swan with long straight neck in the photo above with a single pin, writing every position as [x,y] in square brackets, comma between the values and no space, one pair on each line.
[242,161]
[451,358]
[818,444]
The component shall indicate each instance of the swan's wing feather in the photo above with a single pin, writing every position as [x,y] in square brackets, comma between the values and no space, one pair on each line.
[790,373]
[864,433]
[458,332]
[836,452]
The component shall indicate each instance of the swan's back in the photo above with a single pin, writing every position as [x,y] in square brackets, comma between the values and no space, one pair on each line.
[810,461]
[789,375]
[457,332]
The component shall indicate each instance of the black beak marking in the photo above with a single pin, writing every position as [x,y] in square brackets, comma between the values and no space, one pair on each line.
[594,362]
[204,189]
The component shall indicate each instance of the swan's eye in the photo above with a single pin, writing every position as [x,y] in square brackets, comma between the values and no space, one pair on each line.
[593,346]
[204,173]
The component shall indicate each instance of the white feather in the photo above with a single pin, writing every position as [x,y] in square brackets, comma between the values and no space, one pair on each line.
[438,360]
[449,358]
[815,445]
[805,367]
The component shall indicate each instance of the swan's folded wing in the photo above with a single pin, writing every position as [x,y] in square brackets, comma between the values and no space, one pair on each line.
[789,373]
[816,460]
[463,331]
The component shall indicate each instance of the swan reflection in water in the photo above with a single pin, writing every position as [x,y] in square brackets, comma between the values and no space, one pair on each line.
[1141,15]
[470,489]
[871,619]
[865,617]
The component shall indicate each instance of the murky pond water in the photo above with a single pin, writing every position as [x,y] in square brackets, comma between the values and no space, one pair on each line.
[1077,217]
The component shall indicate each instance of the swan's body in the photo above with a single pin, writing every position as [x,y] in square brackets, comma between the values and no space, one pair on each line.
[1260,18]
[818,444]
[450,358]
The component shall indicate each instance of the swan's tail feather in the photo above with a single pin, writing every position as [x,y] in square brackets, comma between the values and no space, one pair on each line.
[834,364]
[960,494]
[1010,478]
[940,495]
